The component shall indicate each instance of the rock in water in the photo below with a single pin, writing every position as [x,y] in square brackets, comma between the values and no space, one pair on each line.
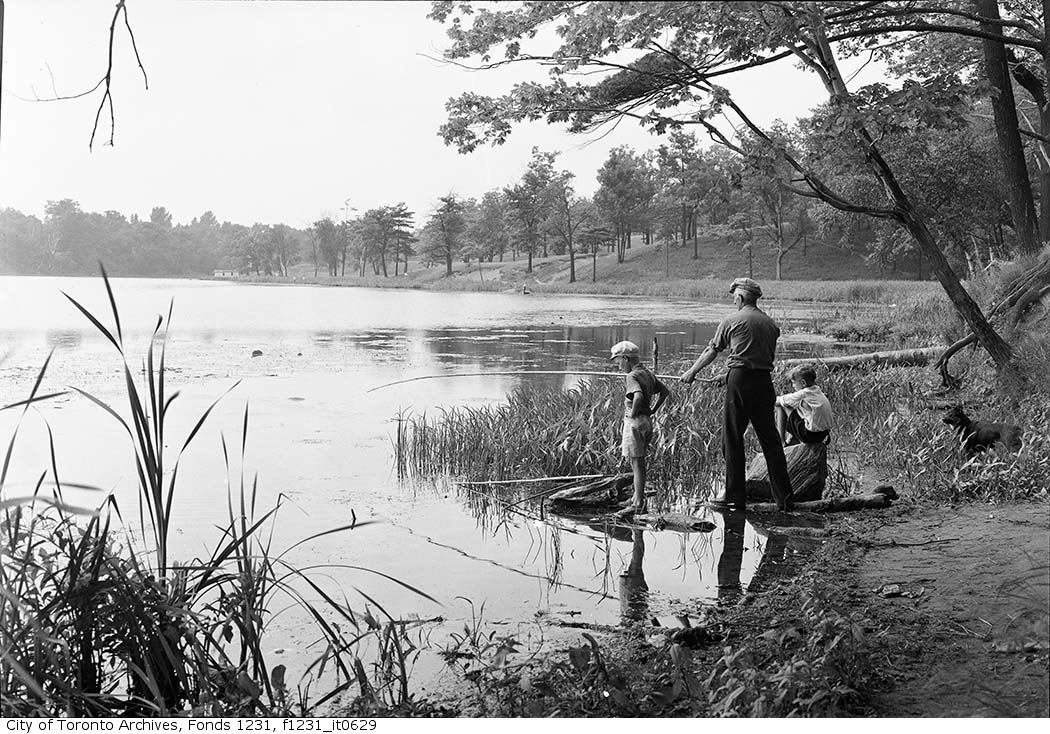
[256,352]
[807,465]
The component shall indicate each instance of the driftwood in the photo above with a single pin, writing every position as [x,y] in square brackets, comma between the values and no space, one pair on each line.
[833,504]
[807,467]
[598,493]
[894,358]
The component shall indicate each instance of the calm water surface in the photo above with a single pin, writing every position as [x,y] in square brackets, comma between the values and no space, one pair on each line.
[317,438]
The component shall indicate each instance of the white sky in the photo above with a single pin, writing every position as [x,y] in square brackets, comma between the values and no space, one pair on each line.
[271,111]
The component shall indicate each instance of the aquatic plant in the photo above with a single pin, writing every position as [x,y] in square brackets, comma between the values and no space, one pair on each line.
[94,624]
[544,431]
[886,422]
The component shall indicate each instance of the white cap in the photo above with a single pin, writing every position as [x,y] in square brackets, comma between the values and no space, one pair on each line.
[622,349]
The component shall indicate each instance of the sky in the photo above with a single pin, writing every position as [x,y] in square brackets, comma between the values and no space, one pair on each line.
[272,111]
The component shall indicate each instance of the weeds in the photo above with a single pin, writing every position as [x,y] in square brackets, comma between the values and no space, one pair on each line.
[819,668]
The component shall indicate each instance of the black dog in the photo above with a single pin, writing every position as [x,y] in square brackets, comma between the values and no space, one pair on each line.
[980,435]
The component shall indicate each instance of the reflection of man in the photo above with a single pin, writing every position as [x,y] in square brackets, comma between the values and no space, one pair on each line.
[732,556]
[749,338]
[634,592]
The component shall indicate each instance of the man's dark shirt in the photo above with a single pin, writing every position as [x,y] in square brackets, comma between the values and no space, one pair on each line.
[750,337]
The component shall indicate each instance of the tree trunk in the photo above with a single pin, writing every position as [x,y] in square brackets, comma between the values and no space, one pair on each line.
[572,264]
[1021,294]
[528,268]
[448,262]
[696,240]
[997,349]
[913,221]
[896,358]
[594,265]
[780,260]
[1024,75]
[1004,109]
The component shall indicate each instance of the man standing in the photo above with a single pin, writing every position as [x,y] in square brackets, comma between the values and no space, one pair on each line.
[749,337]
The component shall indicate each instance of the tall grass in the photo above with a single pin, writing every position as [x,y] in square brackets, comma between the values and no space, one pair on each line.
[887,425]
[94,624]
[544,431]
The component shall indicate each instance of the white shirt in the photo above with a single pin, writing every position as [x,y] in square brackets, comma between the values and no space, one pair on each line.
[812,404]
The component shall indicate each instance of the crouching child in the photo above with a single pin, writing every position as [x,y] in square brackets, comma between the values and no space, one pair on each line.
[805,414]
[644,394]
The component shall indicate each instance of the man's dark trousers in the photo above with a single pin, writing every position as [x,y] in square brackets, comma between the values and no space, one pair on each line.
[750,398]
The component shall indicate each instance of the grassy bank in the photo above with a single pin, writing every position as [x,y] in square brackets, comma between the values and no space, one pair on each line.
[828,275]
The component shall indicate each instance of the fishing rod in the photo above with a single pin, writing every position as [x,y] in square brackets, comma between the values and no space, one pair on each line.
[705,380]
[534,480]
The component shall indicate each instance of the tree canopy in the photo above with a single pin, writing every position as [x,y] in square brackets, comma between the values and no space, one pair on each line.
[664,65]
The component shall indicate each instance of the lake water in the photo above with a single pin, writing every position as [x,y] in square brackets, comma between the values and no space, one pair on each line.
[317,438]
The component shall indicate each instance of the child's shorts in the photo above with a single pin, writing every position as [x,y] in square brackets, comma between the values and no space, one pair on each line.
[637,433]
[796,426]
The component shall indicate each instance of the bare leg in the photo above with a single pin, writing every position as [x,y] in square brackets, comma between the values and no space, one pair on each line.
[638,467]
[781,418]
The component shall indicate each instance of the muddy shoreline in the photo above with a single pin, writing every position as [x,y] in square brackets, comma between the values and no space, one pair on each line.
[946,609]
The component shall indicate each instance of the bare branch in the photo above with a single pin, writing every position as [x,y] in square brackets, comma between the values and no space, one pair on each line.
[134,46]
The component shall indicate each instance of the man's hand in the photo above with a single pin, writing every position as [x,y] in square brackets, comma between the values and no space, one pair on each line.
[687,377]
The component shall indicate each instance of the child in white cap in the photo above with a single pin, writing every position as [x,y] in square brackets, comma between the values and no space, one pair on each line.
[640,387]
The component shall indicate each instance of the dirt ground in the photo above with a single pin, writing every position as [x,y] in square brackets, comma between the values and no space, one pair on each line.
[955,602]
[963,597]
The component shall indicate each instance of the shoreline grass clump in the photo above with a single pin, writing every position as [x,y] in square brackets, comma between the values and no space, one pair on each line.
[543,431]
[96,624]
[887,422]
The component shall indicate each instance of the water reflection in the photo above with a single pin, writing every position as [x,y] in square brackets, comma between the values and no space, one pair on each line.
[651,573]
[634,592]
[729,589]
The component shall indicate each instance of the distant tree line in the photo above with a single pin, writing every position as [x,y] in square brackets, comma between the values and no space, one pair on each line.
[70,241]
[677,196]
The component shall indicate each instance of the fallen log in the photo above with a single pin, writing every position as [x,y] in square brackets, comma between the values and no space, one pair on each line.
[604,492]
[892,358]
[807,466]
[832,504]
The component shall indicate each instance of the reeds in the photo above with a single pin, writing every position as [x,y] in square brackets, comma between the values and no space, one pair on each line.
[885,424]
[543,431]
[95,625]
